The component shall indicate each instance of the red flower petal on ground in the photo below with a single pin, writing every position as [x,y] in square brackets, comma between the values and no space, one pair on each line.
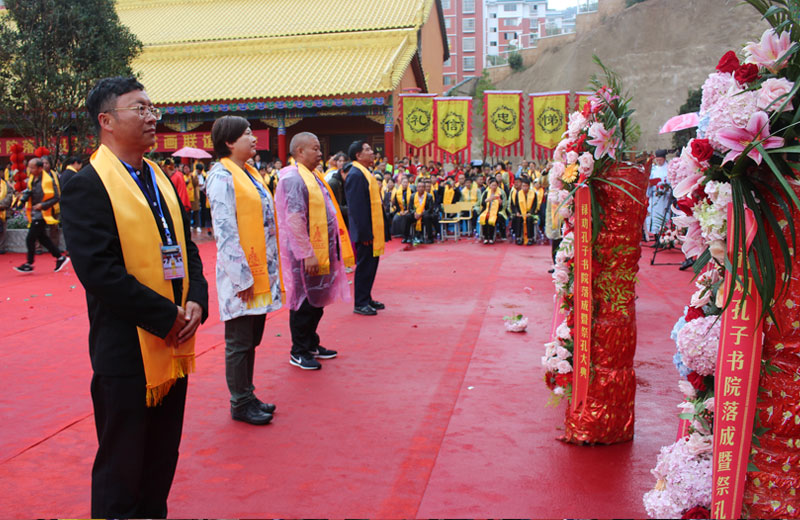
[728,63]
[698,384]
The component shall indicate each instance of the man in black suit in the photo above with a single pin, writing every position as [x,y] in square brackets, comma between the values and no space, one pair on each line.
[73,165]
[360,189]
[138,432]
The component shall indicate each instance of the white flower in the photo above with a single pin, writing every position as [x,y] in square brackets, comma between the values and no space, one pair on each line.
[563,331]
[559,390]
[564,367]
[687,389]
[576,123]
[586,161]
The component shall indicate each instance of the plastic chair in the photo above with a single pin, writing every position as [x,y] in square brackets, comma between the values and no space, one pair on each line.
[466,207]
[450,215]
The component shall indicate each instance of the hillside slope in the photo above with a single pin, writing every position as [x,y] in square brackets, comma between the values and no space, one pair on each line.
[660,48]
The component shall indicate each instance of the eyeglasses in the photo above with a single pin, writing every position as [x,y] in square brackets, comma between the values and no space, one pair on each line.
[143,111]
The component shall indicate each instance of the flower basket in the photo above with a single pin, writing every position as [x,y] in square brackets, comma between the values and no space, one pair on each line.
[607,416]
[771,492]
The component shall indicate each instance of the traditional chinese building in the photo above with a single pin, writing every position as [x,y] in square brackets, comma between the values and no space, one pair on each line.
[333,68]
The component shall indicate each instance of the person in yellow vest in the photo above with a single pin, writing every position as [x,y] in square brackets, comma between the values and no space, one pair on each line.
[146,295]
[493,215]
[366,225]
[524,211]
[6,201]
[421,218]
[192,184]
[315,248]
[248,265]
[53,230]
[401,205]
[40,199]
[470,192]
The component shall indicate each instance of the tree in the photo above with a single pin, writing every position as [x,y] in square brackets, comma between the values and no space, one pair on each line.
[515,61]
[52,52]
[682,137]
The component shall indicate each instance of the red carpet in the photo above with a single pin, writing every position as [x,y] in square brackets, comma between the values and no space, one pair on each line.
[431,410]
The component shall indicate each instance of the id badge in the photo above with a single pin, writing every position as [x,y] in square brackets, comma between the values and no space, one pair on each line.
[172,260]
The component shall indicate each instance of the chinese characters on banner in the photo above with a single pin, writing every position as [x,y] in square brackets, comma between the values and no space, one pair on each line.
[29,145]
[172,142]
[453,116]
[548,122]
[736,386]
[502,123]
[581,356]
[416,113]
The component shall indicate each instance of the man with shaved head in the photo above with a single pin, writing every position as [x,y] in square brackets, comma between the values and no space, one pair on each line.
[315,248]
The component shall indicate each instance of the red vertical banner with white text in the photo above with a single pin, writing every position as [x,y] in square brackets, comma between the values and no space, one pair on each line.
[581,356]
[736,384]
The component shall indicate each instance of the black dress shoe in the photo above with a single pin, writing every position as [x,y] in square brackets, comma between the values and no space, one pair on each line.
[365,310]
[251,413]
[378,306]
[265,407]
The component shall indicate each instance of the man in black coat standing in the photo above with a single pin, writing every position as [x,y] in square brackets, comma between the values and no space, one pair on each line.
[131,247]
[363,201]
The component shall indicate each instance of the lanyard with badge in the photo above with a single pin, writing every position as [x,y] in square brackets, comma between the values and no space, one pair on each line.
[171,254]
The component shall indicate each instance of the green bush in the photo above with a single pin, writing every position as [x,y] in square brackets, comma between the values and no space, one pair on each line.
[515,61]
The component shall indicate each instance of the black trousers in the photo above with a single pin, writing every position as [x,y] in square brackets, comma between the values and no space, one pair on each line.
[137,447]
[38,231]
[489,230]
[517,223]
[303,325]
[242,336]
[366,269]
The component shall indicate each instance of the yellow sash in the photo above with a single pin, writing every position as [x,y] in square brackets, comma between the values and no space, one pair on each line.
[3,194]
[418,209]
[448,195]
[250,220]
[49,214]
[403,199]
[512,196]
[189,186]
[472,193]
[490,213]
[539,199]
[525,203]
[318,222]
[376,210]
[141,241]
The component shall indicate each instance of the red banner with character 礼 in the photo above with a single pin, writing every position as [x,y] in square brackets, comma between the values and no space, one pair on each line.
[736,381]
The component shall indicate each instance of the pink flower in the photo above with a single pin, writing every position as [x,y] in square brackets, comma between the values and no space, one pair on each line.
[687,186]
[576,123]
[769,50]
[558,154]
[757,130]
[572,157]
[773,93]
[603,140]
[586,162]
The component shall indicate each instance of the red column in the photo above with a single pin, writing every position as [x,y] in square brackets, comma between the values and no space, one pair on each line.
[282,150]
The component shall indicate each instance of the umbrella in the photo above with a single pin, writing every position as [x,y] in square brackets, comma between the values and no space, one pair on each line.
[192,153]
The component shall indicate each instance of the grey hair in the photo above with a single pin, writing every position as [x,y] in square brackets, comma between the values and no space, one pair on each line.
[294,144]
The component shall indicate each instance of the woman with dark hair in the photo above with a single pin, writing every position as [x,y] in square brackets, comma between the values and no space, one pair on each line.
[205,207]
[248,268]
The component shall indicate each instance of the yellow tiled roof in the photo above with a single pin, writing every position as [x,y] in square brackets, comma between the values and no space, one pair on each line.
[176,21]
[308,66]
